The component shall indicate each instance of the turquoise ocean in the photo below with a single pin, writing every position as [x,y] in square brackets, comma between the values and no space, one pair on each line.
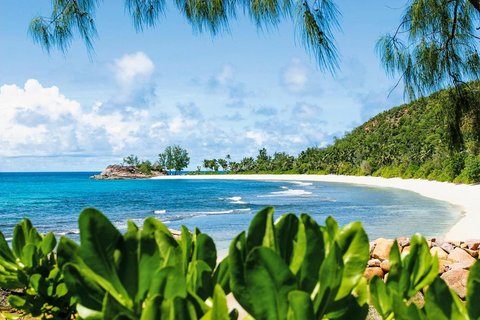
[221,208]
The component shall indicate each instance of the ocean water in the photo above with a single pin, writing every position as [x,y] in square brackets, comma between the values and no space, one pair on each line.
[221,208]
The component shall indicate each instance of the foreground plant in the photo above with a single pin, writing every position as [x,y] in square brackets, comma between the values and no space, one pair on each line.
[143,274]
[30,268]
[295,269]
[292,269]
[415,273]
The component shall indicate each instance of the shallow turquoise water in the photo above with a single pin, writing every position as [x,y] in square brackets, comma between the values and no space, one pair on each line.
[222,208]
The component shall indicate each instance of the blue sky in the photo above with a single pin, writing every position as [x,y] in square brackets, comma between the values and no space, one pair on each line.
[139,92]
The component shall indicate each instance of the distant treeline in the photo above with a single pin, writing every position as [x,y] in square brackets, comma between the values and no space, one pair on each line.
[172,158]
[436,138]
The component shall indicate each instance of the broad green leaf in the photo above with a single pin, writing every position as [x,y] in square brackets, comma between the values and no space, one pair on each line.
[441,303]
[84,288]
[128,264]
[112,309]
[329,281]
[152,225]
[221,275]
[347,308]
[308,253]
[268,280]
[152,310]
[149,262]
[204,249]
[219,309]
[187,248]
[168,283]
[380,297]
[422,267]
[353,243]
[99,240]
[170,251]
[48,243]
[286,228]
[199,278]
[6,255]
[299,306]
[236,265]
[261,231]
[29,255]
[20,234]
[473,291]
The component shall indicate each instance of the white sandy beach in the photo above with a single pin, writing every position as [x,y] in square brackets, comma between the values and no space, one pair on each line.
[465,196]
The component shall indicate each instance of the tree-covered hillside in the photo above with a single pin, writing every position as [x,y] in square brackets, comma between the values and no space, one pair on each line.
[437,137]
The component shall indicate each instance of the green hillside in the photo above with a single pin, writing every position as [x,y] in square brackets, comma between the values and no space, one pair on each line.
[437,137]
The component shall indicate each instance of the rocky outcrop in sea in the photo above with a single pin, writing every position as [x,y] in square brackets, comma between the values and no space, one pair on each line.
[120,172]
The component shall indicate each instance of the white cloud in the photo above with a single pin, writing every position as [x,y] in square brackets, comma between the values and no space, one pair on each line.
[134,66]
[226,75]
[295,76]
[41,121]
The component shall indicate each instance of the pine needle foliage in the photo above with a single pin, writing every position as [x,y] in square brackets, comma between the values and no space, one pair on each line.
[315,21]
[435,46]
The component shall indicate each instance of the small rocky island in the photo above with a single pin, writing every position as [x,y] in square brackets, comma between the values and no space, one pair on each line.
[121,172]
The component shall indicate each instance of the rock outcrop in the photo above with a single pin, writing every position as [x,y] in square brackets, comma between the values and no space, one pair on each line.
[455,259]
[119,172]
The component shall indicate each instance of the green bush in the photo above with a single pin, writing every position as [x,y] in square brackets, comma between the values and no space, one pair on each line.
[471,172]
[292,269]
[30,267]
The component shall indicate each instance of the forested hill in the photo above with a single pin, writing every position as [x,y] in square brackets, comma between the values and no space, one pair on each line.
[437,137]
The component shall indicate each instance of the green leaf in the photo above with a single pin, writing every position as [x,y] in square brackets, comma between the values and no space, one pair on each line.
[29,255]
[6,255]
[353,243]
[261,231]
[380,297]
[170,251]
[149,262]
[152,310]
[441,303]
[221,275]
[17,302]
[205,250]
[329,281]
[128,264]
[168,283]
[48,243]
[268,281]
[286,229]
[219,309]
[308,253]
[186,245]
[152,225]
[99,240]
[473,291]
[299,306]
[199,279]
[84,288]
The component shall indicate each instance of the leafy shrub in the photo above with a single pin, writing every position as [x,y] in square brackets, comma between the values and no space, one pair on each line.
[471,172]
[366,167]
[31,267]
[143,274]
[295,269]
[292,269]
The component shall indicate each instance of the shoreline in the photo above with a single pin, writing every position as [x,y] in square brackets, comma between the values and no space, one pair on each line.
[467,197]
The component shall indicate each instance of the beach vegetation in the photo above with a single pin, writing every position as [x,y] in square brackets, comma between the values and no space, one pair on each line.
[131,160]
[173,158]
[290,268]
[30,268]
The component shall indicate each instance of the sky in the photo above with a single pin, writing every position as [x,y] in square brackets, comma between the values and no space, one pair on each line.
[137,93]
